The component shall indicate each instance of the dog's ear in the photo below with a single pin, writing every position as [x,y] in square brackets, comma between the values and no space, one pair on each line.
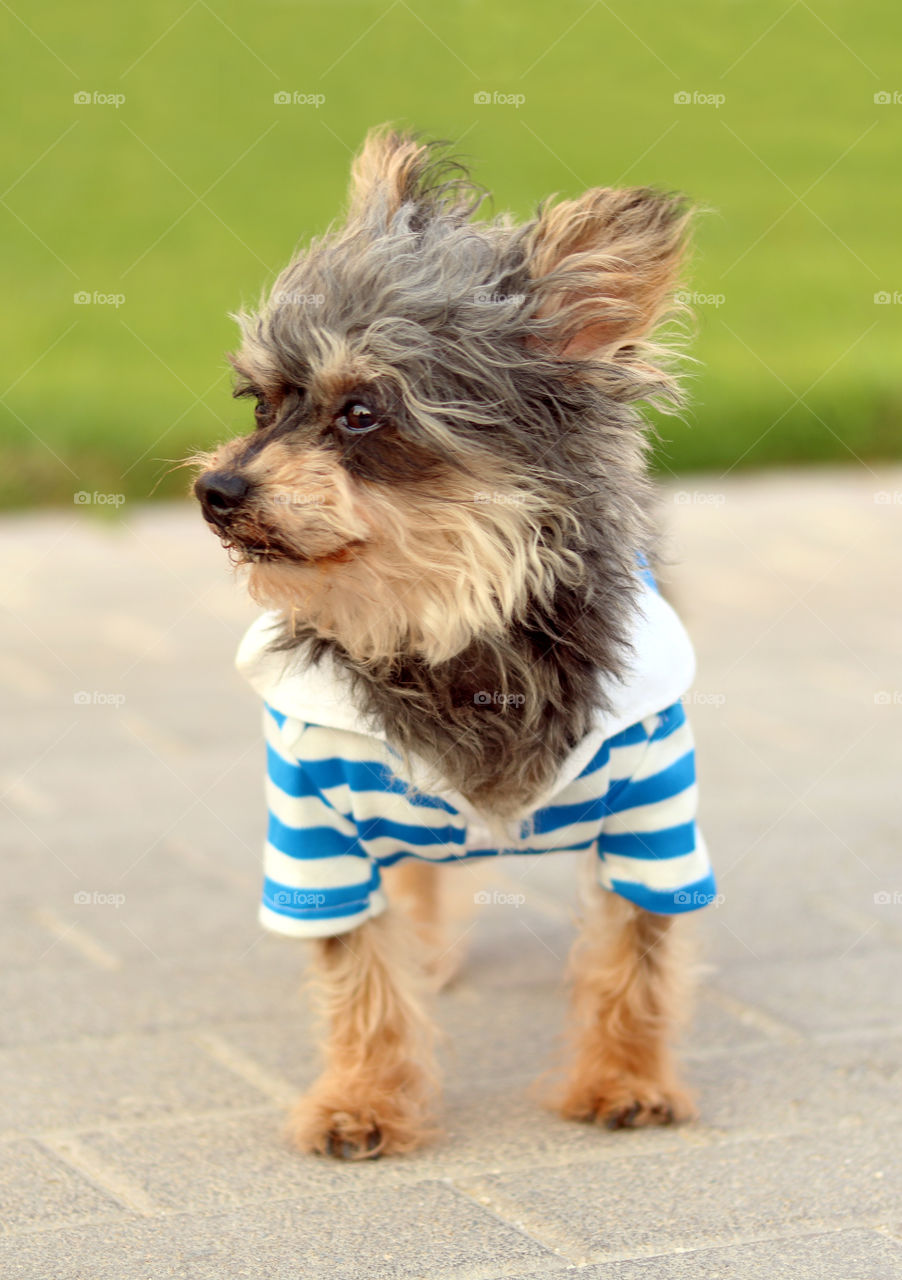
[604,269]
[395,169]
[390,165]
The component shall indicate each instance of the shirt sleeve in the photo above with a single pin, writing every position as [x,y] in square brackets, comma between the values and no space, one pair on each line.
[650,849]
[318,880]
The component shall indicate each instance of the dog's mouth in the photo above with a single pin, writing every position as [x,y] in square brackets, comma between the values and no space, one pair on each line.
[266,555]
[263,547]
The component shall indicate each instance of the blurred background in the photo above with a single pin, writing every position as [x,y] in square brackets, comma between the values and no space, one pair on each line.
[158,171]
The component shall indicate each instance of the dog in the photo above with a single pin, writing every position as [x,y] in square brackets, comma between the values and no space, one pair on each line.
[444,504]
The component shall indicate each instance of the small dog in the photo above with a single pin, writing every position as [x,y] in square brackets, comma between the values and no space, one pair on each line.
[444,503]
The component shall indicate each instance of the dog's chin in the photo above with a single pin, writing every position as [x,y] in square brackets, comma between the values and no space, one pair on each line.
[292,559]
[261,547]
[282,579]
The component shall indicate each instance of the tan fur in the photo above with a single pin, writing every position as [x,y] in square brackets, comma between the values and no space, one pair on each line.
[380,1078]
[387,164]
[426,575]
[416,887]
[432,575]
[629,996]
[608,263]
[629,972]
[389,168]
[419,889]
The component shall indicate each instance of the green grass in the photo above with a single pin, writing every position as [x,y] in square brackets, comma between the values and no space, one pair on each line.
[798,363]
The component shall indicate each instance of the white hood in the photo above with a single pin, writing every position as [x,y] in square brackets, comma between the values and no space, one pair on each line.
[662,667]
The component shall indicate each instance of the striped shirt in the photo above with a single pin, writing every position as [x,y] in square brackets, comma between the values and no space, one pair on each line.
[341,808]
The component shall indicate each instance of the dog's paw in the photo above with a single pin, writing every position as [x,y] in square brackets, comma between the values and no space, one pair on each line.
[348,1135]
[626,1104]
[326,1123]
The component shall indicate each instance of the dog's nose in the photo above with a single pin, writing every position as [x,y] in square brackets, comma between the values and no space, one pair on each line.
[220,491]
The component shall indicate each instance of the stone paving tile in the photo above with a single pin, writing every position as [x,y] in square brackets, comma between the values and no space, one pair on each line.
[714,1030]
[701,1196]
[25,942]
[777,1088]
[200,1034]
[170,909]
[826,994]
[799,897]
[431,1229]
[838,1255]
[223,1161]
[285,1047]
[510,947]
[76,851]
[36,1187]
[44,1005]
[155,784]
[206,1164]
[755,924]
[87,1082]
[219,1163]
[490,1034]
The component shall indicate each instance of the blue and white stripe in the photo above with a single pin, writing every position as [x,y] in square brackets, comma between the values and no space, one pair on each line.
[339,811]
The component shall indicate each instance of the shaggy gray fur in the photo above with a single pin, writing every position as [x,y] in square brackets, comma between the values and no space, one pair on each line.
[466,380]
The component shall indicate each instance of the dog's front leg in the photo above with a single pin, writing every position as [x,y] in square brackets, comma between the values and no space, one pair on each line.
[374,1094]
[629,985]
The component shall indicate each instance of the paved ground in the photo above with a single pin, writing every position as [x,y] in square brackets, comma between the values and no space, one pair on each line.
[150,1036]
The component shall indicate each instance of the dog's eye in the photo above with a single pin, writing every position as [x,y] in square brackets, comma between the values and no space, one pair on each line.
[262,412]
[356,418]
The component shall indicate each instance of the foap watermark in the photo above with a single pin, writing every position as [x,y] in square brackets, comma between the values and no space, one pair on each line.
[297,99]
[697,898]
[497,99]
[693,299]
[698,498]
[291,299]
[888,497]
[883,298]
[299,499]
[503,499]
[888,898]
[888,97]
[96,99]
[85,499]
[888,698]
[299,898]
[95,899]
[685,98]
[496,698]
[495,897]
[98,299]
[97,698]
[484,298]
[698,698]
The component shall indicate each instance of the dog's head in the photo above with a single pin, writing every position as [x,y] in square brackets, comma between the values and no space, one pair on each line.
[444,407]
